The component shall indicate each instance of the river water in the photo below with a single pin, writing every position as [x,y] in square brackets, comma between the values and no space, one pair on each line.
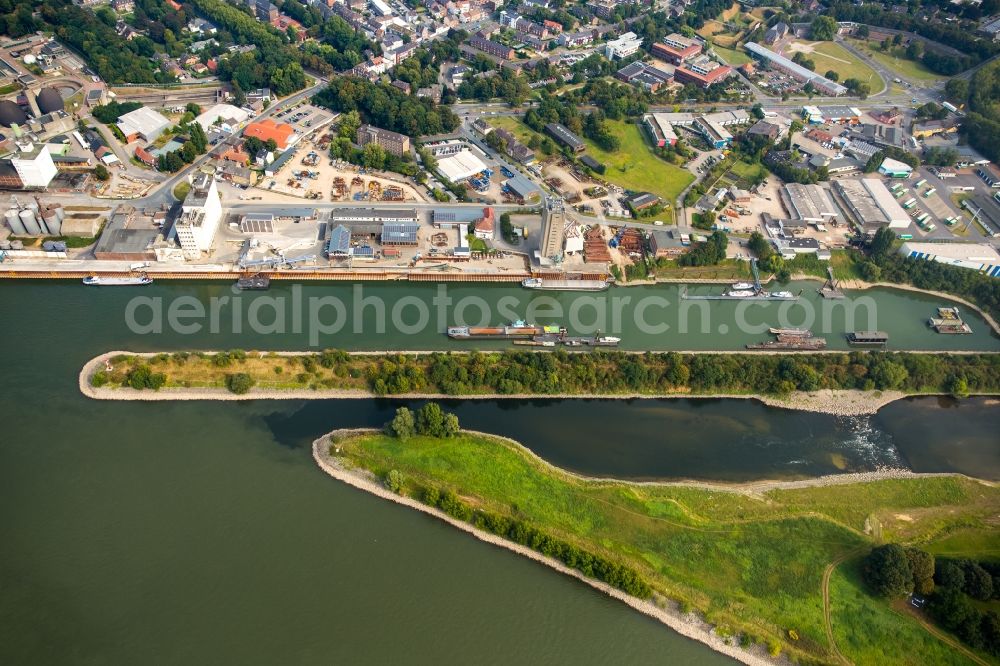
[202,532]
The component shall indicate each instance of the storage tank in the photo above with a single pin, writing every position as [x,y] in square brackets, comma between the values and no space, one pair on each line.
[52,221]
[14,222]
[30,59]
[30,222]
[49,100]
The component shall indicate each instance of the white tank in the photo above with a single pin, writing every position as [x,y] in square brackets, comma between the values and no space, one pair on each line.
[14,222]
[30,222]
[30,59]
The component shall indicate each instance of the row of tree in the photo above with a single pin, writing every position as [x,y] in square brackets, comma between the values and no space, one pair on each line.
[515,371]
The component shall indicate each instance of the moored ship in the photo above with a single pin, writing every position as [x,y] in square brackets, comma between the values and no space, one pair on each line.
[103,281]
[800,332]
[793,343]
[564,285]
[948,321]
[256,282]
[518,329]
[869,338]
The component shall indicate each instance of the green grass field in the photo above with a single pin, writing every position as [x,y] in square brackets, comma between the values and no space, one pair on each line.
[871,633]
[634,166]
[753,564]
[734,57]
[899,63]
[832,56]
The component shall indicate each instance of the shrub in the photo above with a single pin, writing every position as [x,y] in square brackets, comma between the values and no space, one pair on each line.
[141,377]
[394,481]
[99,379]
[239,383]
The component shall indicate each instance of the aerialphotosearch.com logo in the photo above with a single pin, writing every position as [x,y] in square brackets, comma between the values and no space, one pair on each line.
[615,313]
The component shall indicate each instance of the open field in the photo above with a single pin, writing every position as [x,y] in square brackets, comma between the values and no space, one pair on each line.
[514,124]
[898,62]
[751,560]
[734,57]
[634,166]
[832,56]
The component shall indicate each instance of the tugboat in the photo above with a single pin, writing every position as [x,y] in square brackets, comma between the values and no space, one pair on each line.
[99,281]
[257,282]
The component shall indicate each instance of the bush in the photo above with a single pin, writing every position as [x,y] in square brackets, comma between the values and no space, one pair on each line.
[99,379]
[394,481]
[142,377]
[239,383]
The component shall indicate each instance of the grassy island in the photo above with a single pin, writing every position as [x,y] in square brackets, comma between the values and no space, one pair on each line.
[516,373]
[759,561]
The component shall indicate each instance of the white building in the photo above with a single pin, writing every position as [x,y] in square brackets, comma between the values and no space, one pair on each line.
[460,166]
[623,47]
[227,116]
[34,165]
[974,256]
[199,219]
[143,123]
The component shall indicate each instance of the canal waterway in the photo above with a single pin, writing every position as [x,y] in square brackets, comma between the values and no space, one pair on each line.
[202,532]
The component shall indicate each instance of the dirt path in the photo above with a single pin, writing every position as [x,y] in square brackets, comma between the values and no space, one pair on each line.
[903,608]
[827,621]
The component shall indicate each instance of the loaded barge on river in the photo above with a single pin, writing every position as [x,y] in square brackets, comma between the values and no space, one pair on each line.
[531,335]
[948,321]
[790,339]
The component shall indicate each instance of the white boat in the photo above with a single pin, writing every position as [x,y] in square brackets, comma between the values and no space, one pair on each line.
[99,281]
[564,285]
[781,294]
[739,293]
[743,285]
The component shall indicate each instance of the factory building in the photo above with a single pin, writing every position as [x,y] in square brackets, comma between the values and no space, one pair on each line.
[811,203]
[872,204]
[143,123]
[974,256]
[201,212]
[553,225]
[566,138]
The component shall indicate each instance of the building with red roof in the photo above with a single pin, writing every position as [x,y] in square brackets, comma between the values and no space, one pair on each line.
[676,48]
[702,73]
[282,134]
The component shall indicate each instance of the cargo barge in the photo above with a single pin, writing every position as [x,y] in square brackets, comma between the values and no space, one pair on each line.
[546,284]
[103,281]
[792,343]
[790,339]
[949,322]
[517,330]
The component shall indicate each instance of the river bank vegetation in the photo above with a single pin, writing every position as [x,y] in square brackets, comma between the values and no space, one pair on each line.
[514,372]
[752,561]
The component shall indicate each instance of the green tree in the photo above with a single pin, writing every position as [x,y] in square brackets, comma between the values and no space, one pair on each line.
[430,420]
[823,28]
[957,90]
[394,481]
[349,124]
[882,243]
[922,565]
[101,172]
[373,156]
[889,375]
[402,425]
[887,571]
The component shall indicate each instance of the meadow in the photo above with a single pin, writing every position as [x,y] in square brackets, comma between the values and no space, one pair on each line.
[754,564]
